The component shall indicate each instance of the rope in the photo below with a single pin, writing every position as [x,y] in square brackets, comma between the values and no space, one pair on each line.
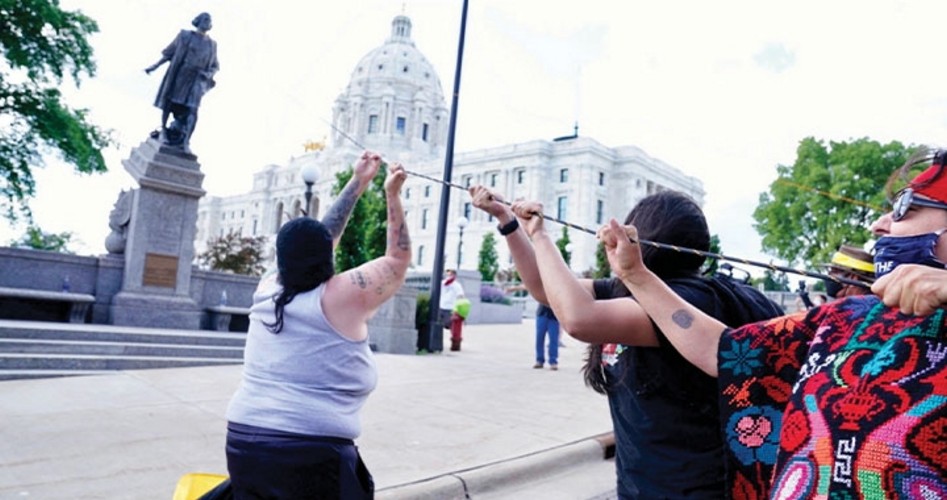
[772,267]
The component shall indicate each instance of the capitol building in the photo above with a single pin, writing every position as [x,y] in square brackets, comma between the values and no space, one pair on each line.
[394,104]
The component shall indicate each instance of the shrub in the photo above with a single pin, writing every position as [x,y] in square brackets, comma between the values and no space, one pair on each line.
[422,310]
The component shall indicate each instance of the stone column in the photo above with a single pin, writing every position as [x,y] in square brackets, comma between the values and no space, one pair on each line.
[159,250]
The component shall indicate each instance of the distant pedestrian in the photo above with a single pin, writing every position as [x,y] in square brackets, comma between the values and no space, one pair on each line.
[547,324]
[451,291]
[307,366]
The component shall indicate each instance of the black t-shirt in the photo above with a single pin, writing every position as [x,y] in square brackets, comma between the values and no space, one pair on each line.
[664,409]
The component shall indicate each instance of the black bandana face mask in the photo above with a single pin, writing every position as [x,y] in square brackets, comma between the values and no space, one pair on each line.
[832,288]
[892,251]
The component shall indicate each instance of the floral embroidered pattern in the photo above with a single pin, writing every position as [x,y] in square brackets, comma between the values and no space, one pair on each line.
[847,400]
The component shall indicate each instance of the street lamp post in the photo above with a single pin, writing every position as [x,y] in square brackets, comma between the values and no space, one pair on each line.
[461,224]
[310,174]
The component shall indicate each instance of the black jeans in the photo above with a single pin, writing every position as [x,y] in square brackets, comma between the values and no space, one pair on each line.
[268,464]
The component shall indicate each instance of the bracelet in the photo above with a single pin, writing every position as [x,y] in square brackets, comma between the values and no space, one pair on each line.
[509,227]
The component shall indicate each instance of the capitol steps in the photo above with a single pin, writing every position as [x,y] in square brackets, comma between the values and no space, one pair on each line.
[31,349]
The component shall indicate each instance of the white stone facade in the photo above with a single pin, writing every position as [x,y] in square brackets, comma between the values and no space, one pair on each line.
[394,104]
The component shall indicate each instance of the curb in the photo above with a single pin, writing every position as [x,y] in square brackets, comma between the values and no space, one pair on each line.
[496,476]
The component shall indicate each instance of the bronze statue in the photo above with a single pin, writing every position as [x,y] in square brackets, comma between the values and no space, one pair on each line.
[190,74]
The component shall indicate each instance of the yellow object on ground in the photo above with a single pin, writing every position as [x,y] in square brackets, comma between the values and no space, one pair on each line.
[192,486]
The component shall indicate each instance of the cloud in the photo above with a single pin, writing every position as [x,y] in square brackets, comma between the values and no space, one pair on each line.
[775,57]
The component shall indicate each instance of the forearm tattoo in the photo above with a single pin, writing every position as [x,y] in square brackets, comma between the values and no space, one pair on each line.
[682,319]
[399,236]
[340,211]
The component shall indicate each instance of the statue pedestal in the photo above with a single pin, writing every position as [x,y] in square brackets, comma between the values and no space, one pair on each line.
[159,250]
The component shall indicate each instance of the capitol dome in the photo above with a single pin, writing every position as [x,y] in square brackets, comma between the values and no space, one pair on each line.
[393,102]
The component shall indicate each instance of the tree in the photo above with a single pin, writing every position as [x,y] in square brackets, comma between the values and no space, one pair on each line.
[772,282]
[41,43]
[602,268]
[488,262]
[826,198]
[364,238]
[235,253]
[563,243]
[37,239]
[710,265]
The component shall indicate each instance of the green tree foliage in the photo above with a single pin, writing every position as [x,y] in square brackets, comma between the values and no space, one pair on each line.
[772,281]
[235,253]
[710,265]
[602,269]
[365,235]
[562,243]
[488,261]
[41,44]
[37,239]
[826,198]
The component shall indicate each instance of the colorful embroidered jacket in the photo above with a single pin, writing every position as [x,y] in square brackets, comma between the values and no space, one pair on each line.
[847,400]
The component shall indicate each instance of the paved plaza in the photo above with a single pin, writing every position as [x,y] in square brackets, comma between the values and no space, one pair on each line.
[480,422]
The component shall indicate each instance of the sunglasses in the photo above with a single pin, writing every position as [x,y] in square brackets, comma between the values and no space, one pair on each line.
[904,200]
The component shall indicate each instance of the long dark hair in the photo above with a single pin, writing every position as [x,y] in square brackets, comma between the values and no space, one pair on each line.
[304,259]
[668,217]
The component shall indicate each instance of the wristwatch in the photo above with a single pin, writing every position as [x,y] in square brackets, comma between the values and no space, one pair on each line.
[509,227]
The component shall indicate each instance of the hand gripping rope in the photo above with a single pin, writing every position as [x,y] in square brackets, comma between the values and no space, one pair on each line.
[655,244]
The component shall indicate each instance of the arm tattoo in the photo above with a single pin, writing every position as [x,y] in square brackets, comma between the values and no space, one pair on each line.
[340,211]
[404,241]
[359,279]
[682,319]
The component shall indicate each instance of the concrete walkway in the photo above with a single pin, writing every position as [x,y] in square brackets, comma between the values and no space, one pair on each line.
[480,423]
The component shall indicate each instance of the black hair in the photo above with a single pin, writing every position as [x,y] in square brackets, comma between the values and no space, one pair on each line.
[304,258]
[668,217]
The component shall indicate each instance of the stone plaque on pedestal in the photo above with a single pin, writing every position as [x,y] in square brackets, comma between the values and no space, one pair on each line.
[160,239]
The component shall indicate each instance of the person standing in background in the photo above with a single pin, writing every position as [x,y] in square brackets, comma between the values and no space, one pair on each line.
[451,290]
[546,322]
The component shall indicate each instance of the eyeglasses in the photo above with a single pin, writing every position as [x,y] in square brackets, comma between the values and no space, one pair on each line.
[904,200]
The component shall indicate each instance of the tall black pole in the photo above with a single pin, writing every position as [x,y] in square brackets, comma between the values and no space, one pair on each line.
[436,331]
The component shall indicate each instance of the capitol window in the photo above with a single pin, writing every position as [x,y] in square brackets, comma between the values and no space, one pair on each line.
[372,124]
[424,132]
[564,175]
[400,124]
[562,204]
[601,178]
[424,219]
[520,176]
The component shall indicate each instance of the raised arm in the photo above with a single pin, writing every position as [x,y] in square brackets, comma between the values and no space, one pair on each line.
[338,214]
[520,248]
[352,297]
[572,299]
[694,334]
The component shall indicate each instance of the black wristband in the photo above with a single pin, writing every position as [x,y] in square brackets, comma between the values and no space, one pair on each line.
[509,227]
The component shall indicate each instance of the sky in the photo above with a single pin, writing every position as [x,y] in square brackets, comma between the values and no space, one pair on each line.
[724,91]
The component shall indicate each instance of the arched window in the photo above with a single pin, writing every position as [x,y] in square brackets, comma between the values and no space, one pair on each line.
[279,215]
